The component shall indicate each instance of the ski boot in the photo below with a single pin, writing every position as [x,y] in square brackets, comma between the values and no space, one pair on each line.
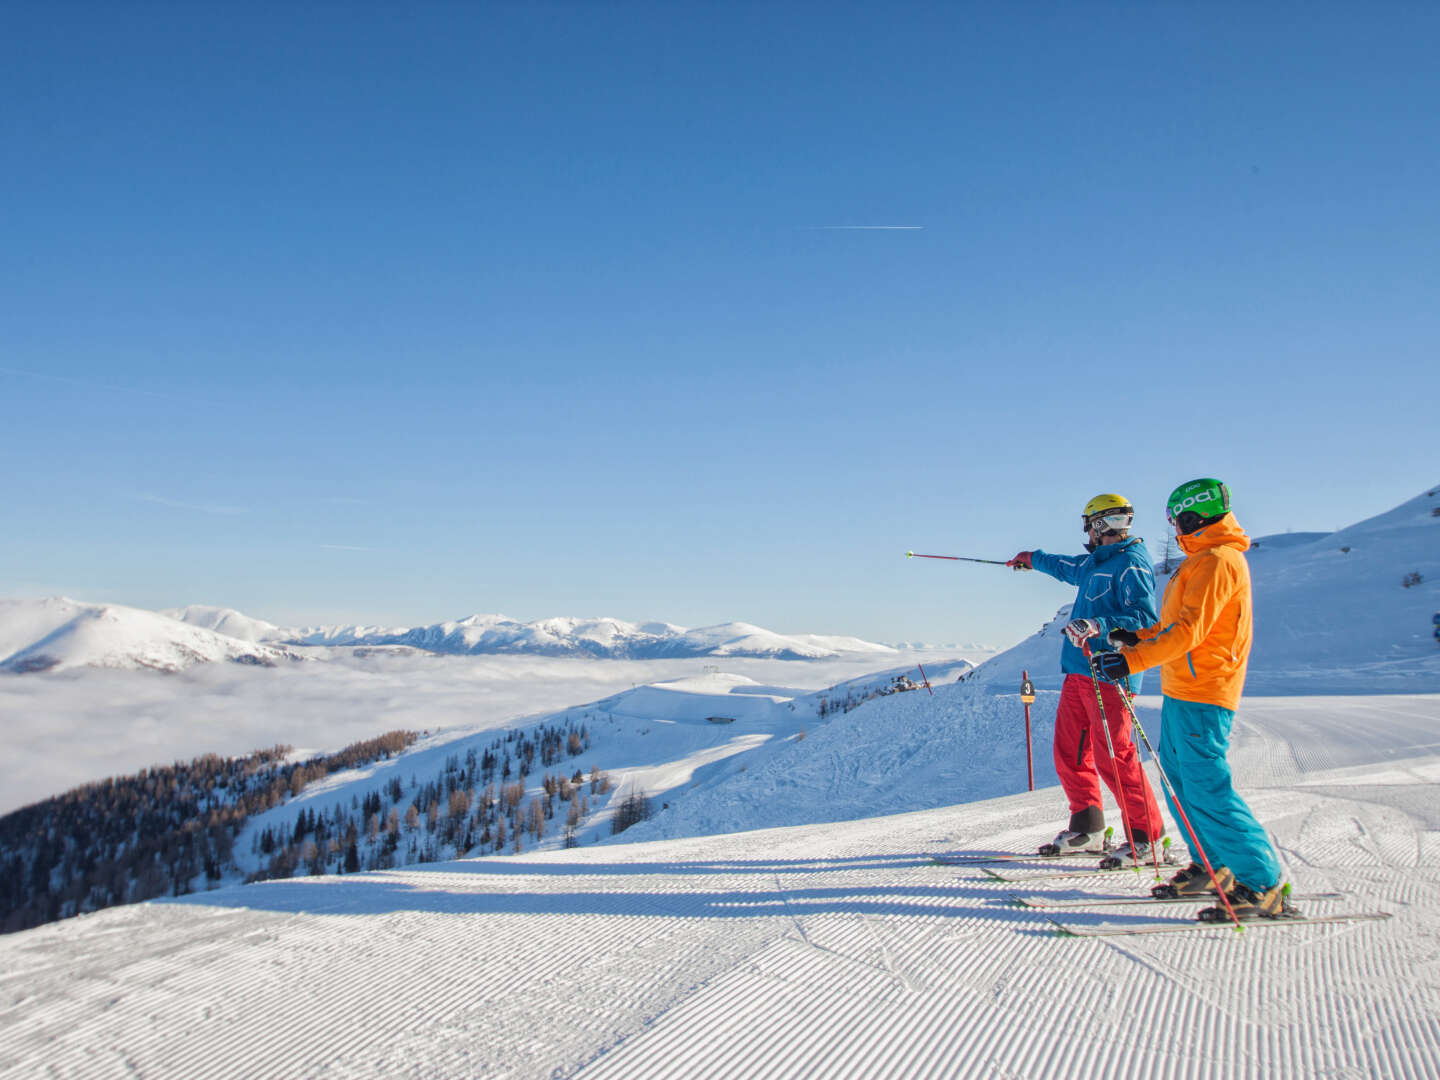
[1194,881]
[1138,850]
[1070,842]
[1247,903]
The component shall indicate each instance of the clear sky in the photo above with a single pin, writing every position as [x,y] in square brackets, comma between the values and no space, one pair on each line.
[399,313]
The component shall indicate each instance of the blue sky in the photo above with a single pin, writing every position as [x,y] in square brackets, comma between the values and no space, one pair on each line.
[369,313]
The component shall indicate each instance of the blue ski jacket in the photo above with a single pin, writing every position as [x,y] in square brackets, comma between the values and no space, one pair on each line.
[1116,587]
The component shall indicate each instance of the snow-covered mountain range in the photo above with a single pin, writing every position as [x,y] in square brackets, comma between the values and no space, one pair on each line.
[57,633]
[601,638]
[605,638]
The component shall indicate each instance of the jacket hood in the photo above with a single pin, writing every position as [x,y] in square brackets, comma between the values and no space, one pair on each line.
[1224,533]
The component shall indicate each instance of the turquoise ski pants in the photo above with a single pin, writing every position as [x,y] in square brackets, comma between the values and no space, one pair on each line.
[1194,739]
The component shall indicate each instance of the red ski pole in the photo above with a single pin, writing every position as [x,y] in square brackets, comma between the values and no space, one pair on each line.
[1147,794]
[1110,746]
[927,681]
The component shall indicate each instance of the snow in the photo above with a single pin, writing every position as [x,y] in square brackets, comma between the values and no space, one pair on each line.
[782,915]
[697,698]
[1334,614]
[227,621]
[826,950]
[57,633]
[1281,541]
[657,740]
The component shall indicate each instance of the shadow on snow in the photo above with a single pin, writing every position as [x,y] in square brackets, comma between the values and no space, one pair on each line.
[633,895]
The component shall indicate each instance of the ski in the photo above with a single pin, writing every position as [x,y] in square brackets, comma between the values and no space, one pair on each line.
[1115,901]
[1175,926]
[978,859]
[1045,875]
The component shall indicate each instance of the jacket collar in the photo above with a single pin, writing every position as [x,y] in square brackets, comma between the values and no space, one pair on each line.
[1224,533]
[1109,551]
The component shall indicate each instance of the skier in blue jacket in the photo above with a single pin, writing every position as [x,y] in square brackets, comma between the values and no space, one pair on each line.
[1115,588]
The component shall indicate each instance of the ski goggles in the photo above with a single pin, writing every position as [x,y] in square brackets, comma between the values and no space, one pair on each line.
[1105,523]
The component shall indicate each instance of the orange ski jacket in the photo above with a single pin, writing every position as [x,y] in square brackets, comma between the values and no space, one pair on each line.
[1202,641]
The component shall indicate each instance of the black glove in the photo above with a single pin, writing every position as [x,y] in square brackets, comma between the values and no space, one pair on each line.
[1121,636]
[1110,665]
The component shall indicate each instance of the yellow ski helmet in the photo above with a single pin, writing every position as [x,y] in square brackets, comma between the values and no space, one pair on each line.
[1109,506]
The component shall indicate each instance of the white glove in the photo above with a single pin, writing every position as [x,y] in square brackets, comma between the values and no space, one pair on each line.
[1081,631]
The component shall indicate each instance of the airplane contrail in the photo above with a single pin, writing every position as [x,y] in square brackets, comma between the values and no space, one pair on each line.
[889,227]
[203,508]
[87,383]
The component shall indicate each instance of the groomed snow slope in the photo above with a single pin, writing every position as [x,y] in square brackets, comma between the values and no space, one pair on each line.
[829,950]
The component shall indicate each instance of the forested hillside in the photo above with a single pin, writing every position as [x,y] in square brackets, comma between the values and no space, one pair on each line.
[162,831]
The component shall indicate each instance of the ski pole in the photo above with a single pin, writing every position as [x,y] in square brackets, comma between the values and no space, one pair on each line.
[1149,802]
[1146,793]
[927,681]
[1114,765]
[1175,801]
[955,558]
[1149,819]
[1027,698]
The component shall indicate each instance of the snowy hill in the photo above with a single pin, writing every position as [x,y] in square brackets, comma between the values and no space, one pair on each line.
[1338,610]
[56,634]
[1281,541]
[227,621]
[672,742]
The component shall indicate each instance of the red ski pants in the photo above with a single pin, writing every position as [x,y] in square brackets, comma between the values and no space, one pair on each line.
[1081,752]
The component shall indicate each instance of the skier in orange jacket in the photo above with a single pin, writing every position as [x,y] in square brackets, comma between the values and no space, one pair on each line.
[1202,646]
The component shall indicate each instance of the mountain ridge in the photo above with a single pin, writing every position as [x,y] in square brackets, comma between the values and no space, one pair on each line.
[57,633]
[599,637]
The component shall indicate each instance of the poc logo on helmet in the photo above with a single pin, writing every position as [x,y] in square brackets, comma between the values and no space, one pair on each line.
[1199,497]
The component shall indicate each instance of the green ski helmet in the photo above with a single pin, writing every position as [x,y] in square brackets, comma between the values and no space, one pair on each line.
[1197,503]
